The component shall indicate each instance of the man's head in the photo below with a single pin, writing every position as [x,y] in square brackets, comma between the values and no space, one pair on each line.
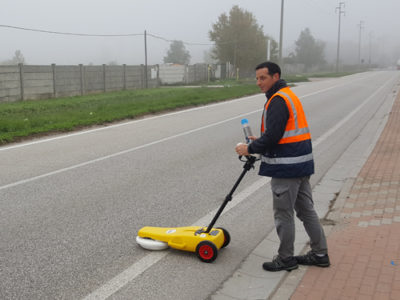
[267,74]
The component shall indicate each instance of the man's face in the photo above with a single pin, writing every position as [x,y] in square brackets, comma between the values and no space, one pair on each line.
[264,80]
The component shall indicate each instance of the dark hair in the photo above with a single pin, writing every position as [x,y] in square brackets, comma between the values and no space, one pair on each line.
[273,68]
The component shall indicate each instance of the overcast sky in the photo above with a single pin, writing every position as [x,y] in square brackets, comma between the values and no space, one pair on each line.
[186,20]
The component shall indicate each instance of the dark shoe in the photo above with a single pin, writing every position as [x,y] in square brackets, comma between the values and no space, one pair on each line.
[279,264]
[311,259]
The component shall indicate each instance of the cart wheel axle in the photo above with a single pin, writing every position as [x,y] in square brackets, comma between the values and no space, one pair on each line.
[206,251]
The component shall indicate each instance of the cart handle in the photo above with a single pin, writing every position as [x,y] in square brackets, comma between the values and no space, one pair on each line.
[249,163]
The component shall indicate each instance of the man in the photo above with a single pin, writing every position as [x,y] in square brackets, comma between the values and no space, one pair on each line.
[286,156]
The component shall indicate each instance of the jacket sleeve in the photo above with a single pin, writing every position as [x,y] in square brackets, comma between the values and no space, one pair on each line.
[277,117]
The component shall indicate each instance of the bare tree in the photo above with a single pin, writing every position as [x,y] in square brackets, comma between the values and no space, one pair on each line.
[17,59]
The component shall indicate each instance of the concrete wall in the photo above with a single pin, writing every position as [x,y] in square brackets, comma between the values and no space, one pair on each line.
[37,81]
[68,81]
[171,74]
[183,74]
[10,88]
[197,73]
[25,82]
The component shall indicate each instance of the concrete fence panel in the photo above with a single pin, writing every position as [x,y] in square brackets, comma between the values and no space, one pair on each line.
[10,89]
[114,78]
[25,82]
[198,73]
[38,82]
[172,74]
[93,79]
[67,81]
[134,79]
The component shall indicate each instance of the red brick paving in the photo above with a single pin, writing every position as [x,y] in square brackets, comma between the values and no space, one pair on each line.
[364,246]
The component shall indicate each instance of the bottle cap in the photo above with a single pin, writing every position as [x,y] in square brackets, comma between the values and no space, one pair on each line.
[244,121]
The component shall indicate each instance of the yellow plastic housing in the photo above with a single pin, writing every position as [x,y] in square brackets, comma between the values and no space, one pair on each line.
[183,238]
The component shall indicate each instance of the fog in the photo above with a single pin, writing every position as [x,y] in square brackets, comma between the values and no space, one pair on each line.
[188,21]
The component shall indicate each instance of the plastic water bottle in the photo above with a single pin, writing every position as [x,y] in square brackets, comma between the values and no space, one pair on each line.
[246,129]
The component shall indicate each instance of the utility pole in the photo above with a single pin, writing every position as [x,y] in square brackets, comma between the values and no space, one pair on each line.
[235,55]
[361,25]
[339,8]
[370,43]
[235,59]
[145,59]
[281,35]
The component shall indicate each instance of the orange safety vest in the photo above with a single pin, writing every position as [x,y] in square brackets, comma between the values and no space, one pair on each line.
[296,128]
[292,157]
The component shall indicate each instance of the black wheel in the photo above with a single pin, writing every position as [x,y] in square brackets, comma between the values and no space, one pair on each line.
[206,251]
[227,237]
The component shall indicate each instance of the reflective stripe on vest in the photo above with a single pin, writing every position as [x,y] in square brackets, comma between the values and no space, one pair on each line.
[287,160]
[292,132]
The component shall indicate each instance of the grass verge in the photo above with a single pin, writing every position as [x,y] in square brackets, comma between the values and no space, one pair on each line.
[19,120]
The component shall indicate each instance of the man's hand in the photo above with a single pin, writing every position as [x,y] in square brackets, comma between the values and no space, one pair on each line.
[252,137]
[242,149]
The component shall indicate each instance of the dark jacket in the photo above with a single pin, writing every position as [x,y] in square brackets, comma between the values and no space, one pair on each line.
[268,144]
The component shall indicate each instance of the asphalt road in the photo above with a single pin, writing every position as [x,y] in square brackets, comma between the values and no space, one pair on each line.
[71,205]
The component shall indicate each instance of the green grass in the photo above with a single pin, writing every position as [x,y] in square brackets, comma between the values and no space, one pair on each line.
[23,119]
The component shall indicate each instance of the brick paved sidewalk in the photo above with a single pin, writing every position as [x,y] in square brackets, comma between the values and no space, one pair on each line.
[364,246]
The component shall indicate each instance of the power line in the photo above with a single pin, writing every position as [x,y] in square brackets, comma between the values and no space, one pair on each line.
[186,43]
[70,33]
[101,35]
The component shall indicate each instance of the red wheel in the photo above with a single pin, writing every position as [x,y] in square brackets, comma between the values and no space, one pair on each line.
[227,237]
[206,251]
